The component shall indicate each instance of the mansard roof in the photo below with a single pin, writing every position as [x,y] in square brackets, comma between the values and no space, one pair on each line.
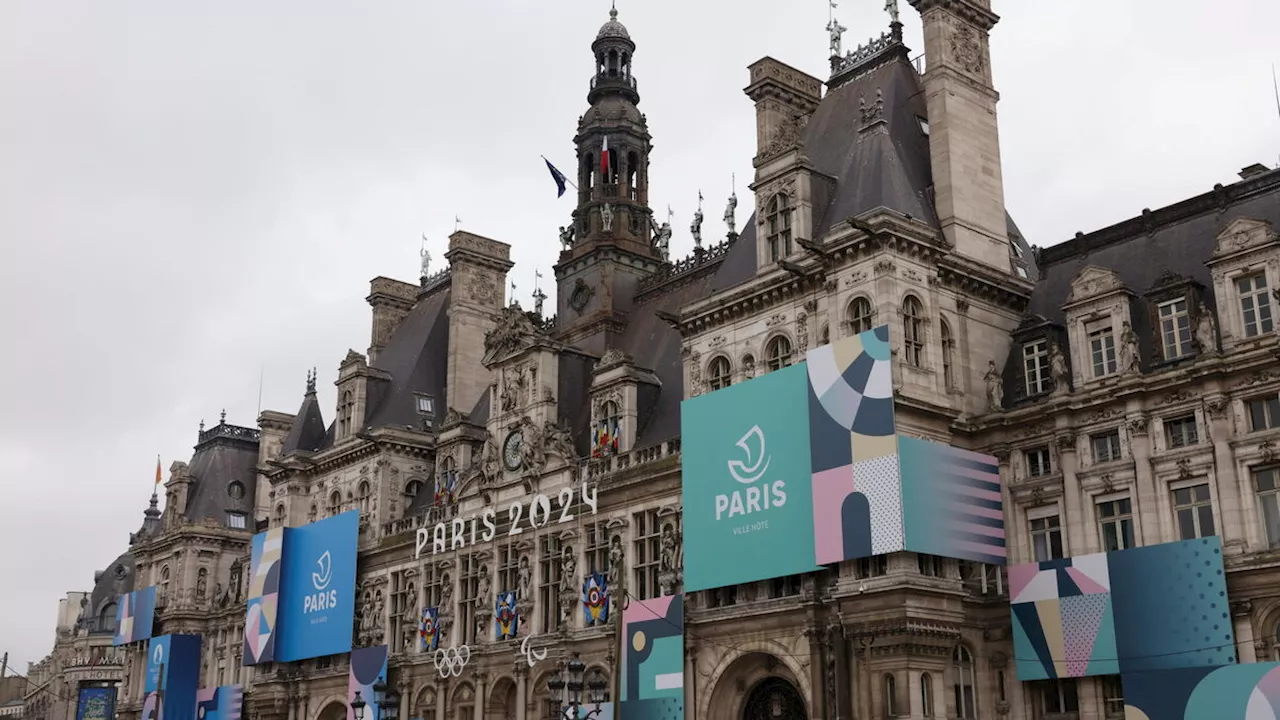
[226,454]
[416,358]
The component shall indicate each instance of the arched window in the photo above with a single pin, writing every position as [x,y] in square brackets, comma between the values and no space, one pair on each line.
[608,435]
[235,490]
[345,408]
[913,331]
[164,581]
[279,516]
[890,697]
[720,373]
[926,695]
[447,484]
[777,354]
[107,618]
[362,494]
[948,354]
[962,667]
[633,175]
[411,489]
[859,316]
[335,502]
[779,221]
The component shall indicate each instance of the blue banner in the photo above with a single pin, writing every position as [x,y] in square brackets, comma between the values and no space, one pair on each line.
[96,703]
[135,614]
[318,589]
[173,672]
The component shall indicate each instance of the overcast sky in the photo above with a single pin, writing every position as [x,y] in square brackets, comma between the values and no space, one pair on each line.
[194,195]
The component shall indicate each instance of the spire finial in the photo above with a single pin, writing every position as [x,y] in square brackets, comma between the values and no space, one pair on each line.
[223,417]
[613,10]
[202,425]
[311,382]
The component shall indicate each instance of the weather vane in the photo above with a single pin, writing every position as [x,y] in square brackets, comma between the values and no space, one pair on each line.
[456,222]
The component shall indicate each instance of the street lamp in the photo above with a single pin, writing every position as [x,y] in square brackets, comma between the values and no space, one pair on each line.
[557,684]
[357,706]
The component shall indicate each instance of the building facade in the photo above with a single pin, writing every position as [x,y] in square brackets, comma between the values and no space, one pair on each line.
[1127,380]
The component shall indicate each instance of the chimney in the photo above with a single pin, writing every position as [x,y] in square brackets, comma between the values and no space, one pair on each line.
[478,268]
[1253,170]
[391,301]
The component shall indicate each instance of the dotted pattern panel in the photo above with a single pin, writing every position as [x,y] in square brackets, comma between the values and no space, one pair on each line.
[879,480]
[1081,617]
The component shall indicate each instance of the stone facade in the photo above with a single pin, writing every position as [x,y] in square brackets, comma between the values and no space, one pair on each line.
[1092,383]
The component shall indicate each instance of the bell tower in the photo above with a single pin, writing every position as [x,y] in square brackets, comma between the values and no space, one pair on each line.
[611,247]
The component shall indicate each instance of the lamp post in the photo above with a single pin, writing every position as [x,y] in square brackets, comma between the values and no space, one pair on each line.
[558,684]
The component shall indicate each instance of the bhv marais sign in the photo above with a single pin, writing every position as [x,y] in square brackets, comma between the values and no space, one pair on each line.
[534,513]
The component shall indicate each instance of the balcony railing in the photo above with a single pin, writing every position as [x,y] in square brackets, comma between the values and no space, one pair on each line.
[600,81]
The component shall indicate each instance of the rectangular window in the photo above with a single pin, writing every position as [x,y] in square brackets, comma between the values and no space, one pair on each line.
[1115,521]
[550,557]
[930,565]
[508,568]
[1035,360]
[469,590]
[1255,304]
[1267,484]
[1058,697]
[1264,413]
[597,549]
[1175,329]
[1193,509]
[646,553]
[235,520]
[784,586]
[874,566]
[1038,462]
[1106,446]
[1102,348]
[1112,697]
[1046,538]
[1181,431]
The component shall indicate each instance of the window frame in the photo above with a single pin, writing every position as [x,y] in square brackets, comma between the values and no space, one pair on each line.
[1270,410]
[1176,341]
[778,352]
[1194,506]
[1118,519]
[964,684]
[1037,352]
[1263,498]
[1107,435]
[1100,343]
[914,335]
[854,320]
[778,237]
[719,373]
[1264,321]
[1047,465]
[1184,421]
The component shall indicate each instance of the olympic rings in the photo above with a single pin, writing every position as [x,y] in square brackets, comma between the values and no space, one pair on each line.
[450,661]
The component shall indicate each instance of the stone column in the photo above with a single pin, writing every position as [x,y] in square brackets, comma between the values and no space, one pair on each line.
[817,673]
[1231,489]
[522,692]
[1146,496]
[482,694]
[1073,523]
[442,697]
[866,708]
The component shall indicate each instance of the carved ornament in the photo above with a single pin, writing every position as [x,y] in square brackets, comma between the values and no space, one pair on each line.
[1093,281]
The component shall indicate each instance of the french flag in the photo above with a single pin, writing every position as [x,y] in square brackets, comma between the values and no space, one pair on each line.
[604,160]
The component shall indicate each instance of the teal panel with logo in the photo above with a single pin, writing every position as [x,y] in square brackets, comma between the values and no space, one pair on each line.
[748,492]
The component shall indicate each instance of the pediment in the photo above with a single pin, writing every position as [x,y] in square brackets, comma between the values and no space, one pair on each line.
[1094,281]
[1242,234]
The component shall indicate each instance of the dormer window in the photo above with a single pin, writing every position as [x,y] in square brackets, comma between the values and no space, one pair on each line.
[1035,360]
[426,406]
[1255,305]
[1102,347]
[779,221]
[1175,328]
[608,435]
[719,373]
[345,409]
[777,354]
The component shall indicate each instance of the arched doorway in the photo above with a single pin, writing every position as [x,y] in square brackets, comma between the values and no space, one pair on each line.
[333,711]
[774,699]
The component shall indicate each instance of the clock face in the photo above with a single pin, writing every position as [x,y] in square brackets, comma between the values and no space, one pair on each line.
[511,450]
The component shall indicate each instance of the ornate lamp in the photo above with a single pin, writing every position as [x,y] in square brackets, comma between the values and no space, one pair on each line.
[575,667]
[596,685]
[389,709]
[357,706]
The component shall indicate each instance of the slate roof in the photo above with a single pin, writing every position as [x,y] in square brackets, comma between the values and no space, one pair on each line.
[226,454]
[308,430]
[116,580]
[416,357]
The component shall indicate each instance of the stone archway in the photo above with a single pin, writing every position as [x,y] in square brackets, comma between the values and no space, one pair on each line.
[502,701]
[774,698]
[334,710]
[753,687]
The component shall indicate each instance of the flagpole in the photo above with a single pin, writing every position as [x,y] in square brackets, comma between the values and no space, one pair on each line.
[568,182]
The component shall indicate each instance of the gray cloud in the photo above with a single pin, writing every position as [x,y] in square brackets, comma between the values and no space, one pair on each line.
[192,194]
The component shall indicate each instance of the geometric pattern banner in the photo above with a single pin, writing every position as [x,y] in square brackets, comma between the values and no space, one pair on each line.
[301,601]
[135,615]
[595,599]
[429,630]
[506,619]
[1157,607]
[653,659]
[368,665]
[219,703]
[1249,691]
[812,451]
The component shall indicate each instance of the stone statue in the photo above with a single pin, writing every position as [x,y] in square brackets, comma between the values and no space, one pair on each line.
[426,259]
[484,597]
[566,237]
[446,593]
[202,583]
[557,441]
[524,580]
[836,31]
[568,569]
[508,395]
[995,387]
[1206,335]
[662,238]
[489,457]
[606,217]
[533,450]
[1058,369]
[366,616]
[695,228]
[667,558]
[616,560]
[891,7]
[378,610]
[1130,359]
[730,212]
[538,298]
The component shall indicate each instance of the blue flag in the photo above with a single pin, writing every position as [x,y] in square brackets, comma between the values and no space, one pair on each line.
[557,176]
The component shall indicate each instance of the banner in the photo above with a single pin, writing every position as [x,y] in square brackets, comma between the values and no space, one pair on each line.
[96,703]
[595,599]
[506,618]
[220,703]
[803,467]
[653,659]
[173,673]
[367,666]
[135,615]
[429,630]
[302,591]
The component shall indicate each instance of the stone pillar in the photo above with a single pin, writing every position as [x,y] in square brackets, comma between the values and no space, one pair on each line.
[482,694]
[817,673]
[442,697]
[1073,522]
[865,707]
[1146,496]
[1231,489]
[522,692]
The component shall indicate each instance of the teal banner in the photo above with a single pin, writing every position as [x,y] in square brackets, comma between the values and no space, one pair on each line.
[748,502]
